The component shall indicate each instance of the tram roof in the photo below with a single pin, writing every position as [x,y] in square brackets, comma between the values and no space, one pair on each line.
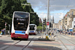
[20,11]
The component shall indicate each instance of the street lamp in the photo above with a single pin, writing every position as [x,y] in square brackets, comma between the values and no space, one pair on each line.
[42,26]
[9,29]
[47,21]
[5,27]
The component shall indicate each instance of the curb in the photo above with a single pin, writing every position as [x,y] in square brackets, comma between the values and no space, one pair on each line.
[71,35]
[5,35]
[0,35]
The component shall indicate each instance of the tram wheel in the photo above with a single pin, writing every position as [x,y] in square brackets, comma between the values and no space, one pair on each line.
[13,38]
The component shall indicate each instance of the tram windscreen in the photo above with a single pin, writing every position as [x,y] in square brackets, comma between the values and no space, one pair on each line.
[21,15]
[21,21]
[32,27]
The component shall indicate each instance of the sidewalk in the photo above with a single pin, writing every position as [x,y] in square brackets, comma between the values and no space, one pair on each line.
[70,35]
[5,35]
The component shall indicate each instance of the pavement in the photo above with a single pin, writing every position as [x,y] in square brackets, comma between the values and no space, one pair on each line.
[70,35]
[5,35]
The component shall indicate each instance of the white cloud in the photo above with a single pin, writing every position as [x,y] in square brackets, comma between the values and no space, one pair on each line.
[58,16]
[55,5]
[61,15]
[42,15]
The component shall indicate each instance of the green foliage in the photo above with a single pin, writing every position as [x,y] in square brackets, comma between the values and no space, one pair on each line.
[39,28]
[40,24]
[34,19]
[0,2]
[7,7]
[44,27]
[23,1]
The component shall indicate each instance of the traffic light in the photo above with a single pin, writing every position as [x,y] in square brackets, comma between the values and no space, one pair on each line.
[44,21]
[50,24]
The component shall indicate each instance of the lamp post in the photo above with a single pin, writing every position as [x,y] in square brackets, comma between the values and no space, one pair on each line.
[5,27]
[42,26]
[9,29]
[47,21]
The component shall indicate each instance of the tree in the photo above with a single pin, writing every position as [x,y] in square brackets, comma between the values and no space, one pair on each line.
[39,28]
[23,1]
[7,7]
[6,10]
[0,2]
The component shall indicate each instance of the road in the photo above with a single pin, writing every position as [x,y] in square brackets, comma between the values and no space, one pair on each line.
[62,42]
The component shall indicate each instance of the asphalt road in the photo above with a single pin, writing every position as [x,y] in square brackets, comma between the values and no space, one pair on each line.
[62,42]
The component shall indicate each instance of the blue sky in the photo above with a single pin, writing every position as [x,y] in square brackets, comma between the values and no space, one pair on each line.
[58,8]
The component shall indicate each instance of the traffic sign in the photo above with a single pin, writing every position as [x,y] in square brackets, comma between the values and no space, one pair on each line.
[47,23]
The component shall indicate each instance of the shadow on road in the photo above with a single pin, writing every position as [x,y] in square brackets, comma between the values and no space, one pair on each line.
[4,43]
[44,48]
[34,39]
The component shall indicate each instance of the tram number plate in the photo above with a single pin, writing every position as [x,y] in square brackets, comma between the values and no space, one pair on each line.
[19,37]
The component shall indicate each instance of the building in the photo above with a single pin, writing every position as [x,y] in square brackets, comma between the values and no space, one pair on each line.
[40,21]
[55,26]
[67,23]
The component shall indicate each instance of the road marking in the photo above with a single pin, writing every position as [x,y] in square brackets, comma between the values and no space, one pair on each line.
[47,45]
[66,37]
[71,35]
[62,44]
[3,47]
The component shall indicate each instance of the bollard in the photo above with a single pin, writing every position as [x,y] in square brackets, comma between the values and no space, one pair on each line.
[47,37]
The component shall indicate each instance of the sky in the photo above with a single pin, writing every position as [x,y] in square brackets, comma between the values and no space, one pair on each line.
[58,8]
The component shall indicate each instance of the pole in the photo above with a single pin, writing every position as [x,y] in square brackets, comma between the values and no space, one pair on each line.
[42,27]
[9,29]
[47,17]
[5,27]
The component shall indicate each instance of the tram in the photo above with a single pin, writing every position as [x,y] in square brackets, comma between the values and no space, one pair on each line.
[20,25]
[32,29]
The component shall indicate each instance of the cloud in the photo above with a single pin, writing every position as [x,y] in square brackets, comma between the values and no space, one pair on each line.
[58,16]
[61,15]
[42,15]
[54,4]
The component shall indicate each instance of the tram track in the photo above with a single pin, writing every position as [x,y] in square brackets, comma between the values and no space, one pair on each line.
[63,43]
[23,47]
[27,44]
[11,45]
[70,41]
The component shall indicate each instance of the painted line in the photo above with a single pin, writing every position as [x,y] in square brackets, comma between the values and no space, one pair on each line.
[56,43]
[11,45]
[27,44]
[66,37]
[71,35]
[63,44]
[46,44]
